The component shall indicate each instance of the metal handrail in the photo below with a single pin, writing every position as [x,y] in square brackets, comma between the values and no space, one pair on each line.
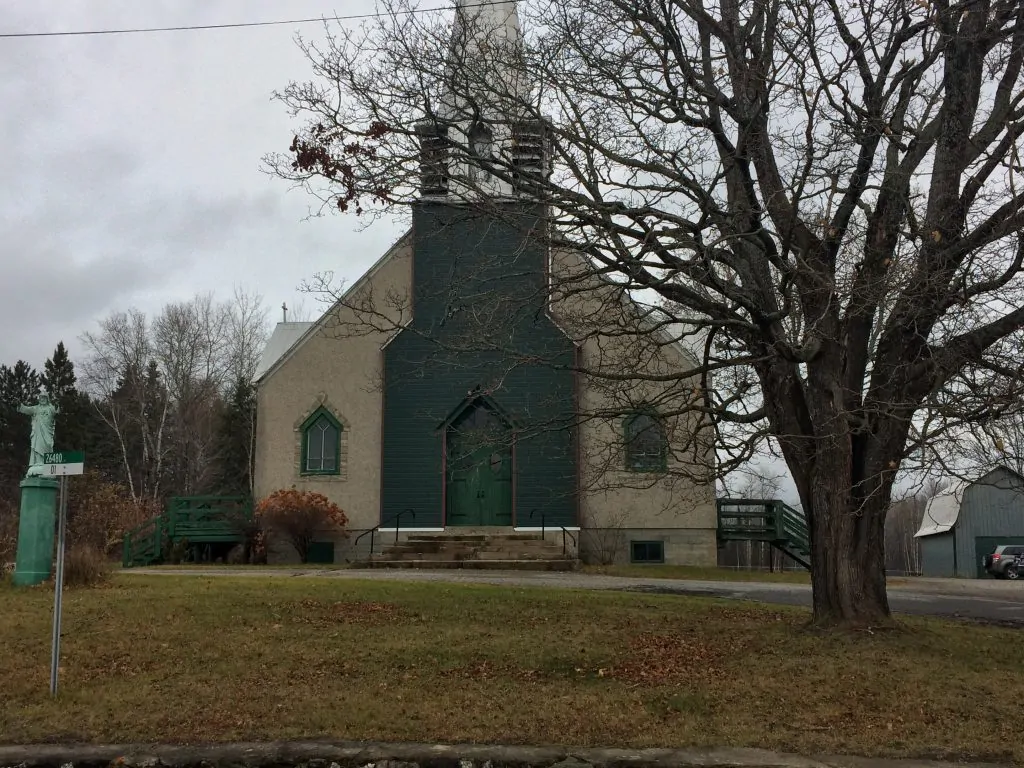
[398,518]
[371,533]
[567,532]
[543,518]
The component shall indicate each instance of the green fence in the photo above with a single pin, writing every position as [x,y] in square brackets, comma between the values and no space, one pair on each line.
[192,519]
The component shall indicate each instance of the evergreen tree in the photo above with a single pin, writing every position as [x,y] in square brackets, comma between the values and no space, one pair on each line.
[58,377]
[79,426]
[236,440]
[59,381]
[102,452]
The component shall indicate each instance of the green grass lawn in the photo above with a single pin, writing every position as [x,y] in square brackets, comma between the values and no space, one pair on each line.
[210,659]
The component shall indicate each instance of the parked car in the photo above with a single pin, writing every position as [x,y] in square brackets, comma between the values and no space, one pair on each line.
[1007,562]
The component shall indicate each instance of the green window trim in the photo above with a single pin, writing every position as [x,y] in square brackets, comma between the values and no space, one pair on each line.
[641,552]
[645,444]
[321,444]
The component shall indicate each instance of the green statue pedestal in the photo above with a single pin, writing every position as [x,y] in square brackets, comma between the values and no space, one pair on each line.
[35,530]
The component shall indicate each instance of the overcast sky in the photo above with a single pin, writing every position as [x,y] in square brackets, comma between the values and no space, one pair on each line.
[130,171]
[131,165]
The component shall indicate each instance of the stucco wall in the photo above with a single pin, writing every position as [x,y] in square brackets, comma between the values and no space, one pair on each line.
[614,339]
[338,367]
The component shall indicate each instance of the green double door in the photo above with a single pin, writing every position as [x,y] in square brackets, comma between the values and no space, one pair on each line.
[479,476]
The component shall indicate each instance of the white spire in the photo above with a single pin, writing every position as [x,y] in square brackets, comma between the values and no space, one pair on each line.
[490,23]
[485,43]
[482,107]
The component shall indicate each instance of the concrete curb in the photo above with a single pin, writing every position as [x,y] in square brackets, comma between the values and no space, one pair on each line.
[328,754]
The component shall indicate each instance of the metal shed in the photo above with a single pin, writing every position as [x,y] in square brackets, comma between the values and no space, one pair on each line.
[970,519]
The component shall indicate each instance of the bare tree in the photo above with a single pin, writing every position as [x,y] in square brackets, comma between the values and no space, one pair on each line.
[902,552]
[189,340]
[132,404]
[247,324]
[161,385]
[829,192]
[997,442]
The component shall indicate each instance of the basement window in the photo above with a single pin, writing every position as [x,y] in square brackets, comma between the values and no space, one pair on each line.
[647,552]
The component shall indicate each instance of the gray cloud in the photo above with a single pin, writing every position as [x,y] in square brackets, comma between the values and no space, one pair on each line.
[130,167]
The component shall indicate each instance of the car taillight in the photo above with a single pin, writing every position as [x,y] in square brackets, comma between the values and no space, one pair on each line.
[996,557]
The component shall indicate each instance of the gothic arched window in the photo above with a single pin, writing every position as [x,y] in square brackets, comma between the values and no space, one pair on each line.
[321,444]
[646,444]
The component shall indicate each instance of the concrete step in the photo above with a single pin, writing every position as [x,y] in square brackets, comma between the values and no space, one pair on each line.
[493,551]
[517,555]
[432,556]
[424,546]
[473,537]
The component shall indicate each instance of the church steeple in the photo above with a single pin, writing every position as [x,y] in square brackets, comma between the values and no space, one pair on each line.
[481,114]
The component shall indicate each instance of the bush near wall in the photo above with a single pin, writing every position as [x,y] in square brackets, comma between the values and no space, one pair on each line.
[300,517]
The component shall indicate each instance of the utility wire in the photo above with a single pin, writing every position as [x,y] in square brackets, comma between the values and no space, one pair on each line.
[236,25]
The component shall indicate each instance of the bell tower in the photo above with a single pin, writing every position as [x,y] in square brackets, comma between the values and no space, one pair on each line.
[478,386]
[483,140]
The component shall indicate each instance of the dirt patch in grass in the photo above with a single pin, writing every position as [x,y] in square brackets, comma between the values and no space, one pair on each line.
[195,659]
[672,659]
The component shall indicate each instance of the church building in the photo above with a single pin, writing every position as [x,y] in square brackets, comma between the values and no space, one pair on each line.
[480,378]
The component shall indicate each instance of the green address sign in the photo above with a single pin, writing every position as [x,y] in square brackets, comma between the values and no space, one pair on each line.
[64,457]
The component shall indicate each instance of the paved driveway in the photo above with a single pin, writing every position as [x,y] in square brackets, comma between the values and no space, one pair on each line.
[991,601]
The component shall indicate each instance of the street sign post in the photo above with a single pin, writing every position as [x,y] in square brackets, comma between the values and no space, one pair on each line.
[60,464]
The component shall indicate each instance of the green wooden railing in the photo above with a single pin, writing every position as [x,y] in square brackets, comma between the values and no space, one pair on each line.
[769,520]
[195,519]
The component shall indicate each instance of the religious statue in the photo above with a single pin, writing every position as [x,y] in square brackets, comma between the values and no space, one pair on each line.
[44,416]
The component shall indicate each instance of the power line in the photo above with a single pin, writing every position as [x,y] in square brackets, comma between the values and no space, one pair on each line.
[235,25]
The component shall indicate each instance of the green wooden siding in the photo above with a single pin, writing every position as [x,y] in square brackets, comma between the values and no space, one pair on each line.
[478,317]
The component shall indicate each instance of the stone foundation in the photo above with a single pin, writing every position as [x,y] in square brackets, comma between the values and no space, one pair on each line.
[682,546]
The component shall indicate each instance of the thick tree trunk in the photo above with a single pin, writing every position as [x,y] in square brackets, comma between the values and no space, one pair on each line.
[848,570]
[847,530]
[847,554]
